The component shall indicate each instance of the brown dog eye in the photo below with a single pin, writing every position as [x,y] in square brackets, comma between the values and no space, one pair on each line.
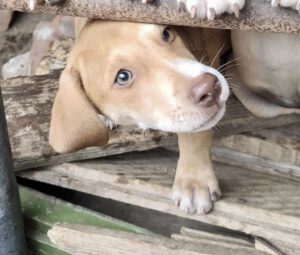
[167,35]
[124,78]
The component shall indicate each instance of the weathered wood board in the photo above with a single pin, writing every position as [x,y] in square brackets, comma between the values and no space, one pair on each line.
[85,240]
[198,236]
[272,150]
[255,203]
[257,15]
[28,102]
[42,212]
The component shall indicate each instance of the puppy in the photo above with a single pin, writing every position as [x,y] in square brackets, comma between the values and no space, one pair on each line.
[144,75]
[149,76]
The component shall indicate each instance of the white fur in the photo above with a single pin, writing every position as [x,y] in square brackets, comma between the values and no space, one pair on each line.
[181,120]
[284,3]
[219,6]
[201,6]
[230,9]
[192,69]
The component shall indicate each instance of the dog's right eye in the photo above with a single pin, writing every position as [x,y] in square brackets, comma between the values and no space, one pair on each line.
[167,35]
[124,78]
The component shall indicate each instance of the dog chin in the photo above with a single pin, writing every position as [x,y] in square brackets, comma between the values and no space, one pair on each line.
[212,122]
[191,126]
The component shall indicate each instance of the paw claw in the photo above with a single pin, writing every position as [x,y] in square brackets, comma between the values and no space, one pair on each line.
[215,196]
[211,14]
[275,3]
[236,9]
[193,12]
[195,195]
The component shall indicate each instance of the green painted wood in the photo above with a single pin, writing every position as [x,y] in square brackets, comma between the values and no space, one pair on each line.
[40,244]
[41,212]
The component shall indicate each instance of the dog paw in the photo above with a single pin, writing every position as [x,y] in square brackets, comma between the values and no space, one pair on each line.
[192,195]
[211,8]
[294,4]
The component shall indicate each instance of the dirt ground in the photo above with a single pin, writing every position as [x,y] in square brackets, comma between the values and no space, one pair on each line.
[18,38]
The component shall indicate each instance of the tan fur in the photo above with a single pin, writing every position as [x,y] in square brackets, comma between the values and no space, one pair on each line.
[158,96]
[75,123]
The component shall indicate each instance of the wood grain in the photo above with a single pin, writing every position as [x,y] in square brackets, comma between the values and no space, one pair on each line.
[28,102]
[255,203]
[85,240]
[257,15]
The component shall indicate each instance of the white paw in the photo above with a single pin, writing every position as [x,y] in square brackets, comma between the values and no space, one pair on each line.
[294,4]
[211,8]
[195,196]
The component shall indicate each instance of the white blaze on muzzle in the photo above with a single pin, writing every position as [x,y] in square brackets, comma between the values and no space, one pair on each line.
[192,69]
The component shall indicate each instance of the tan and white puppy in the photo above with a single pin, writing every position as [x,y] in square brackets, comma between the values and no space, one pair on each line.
[150,76]
[144,75]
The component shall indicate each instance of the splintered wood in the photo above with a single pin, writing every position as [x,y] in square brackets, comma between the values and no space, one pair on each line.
[272,150]
[86,240]
[255,203]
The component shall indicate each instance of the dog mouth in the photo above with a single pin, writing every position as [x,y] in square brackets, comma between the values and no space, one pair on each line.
[195,121]
[212,121]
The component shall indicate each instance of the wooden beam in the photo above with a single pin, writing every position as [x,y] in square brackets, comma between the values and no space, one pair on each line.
[28,102]
[257,15]
[87,240]
[254,203]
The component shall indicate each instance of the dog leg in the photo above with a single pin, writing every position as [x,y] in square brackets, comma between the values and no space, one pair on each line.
[211,8]
[196,186]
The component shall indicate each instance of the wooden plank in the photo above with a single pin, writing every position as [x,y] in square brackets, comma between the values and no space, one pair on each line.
[254,203]
[78,239]
[272,150]
[257,15]
[41,212]
[217,237]
[28,102]
[281,144]
[225,240]
[276,150]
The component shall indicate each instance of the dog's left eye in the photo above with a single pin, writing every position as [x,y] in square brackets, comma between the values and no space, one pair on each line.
[124,78]
[167,34]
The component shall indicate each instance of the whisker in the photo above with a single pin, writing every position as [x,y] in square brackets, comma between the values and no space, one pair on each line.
[229,62]
[217,54]
[228,67]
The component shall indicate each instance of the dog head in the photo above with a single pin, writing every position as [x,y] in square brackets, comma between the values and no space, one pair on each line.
[133,74]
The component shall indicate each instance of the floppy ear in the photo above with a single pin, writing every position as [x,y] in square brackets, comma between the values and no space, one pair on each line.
[75,123]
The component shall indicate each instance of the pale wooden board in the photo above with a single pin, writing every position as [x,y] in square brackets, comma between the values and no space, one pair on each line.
[199,236]
[255,203]
[217,237]
[28,102]
[281,144]
[273,150]
[257,15]
[86,240]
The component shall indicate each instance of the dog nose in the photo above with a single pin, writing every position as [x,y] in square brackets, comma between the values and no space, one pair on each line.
[206,90]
